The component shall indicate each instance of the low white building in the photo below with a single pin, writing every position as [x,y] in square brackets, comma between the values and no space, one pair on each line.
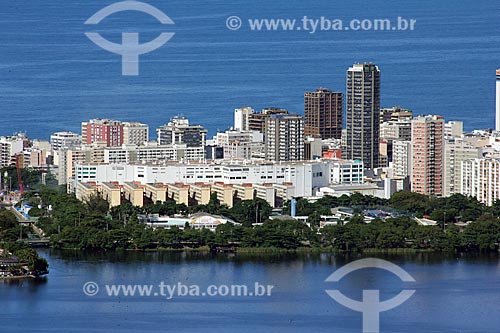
[346,172]
[195,221]
[306,177]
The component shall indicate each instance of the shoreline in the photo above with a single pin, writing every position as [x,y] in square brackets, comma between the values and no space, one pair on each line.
[18,277]
[264,250]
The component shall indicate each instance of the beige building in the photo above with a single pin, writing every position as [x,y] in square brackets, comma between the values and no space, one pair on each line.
[265,192]
[111,192]
[199,194]
[283,192]
[156,192]
[244,191]
[135,133]
[257,121]
[225,193]
[395,114]
[86,190]
[134,192]
[179,193]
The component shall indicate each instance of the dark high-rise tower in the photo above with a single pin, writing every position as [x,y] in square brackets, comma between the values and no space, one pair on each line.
[363,114]
[323,111]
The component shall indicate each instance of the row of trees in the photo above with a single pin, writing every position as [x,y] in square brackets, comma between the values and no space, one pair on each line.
[451,209]
[92,225]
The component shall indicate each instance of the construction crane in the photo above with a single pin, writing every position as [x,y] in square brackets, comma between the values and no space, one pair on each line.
[19,178]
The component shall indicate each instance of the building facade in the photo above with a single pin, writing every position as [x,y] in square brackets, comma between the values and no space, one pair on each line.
[395,114]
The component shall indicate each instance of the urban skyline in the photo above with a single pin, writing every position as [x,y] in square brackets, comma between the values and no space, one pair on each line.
[421,153]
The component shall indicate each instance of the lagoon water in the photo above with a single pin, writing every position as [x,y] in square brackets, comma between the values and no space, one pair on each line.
[453,294]
[52,77]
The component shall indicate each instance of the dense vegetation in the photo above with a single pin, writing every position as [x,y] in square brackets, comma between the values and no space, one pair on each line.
[10,231]
[92,225]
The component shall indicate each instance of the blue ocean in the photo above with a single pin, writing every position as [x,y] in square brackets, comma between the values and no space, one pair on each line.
[52,76]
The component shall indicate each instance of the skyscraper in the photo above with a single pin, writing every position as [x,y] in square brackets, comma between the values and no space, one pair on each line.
[427,135]
[323,114]
[363,114]
[497,119]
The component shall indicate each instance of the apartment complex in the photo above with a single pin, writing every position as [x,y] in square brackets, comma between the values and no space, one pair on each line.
[306,176]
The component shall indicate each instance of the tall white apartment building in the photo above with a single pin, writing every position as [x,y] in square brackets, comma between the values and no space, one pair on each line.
[284,137]
[401,158]
[481,179]
[455,152]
